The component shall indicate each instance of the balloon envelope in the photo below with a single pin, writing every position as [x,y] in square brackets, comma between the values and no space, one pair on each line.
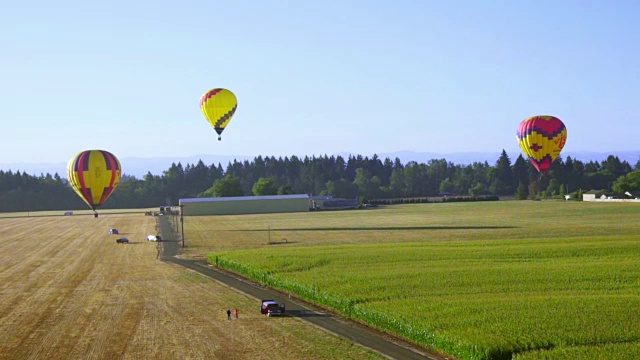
[94,174]
[541,138]
[218,106]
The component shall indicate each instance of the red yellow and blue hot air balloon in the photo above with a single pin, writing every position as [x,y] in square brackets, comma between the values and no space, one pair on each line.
[541,138]
[218,106]
[94,175]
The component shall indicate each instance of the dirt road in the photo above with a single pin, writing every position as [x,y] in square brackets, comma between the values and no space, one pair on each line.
[68,291]
[379,342]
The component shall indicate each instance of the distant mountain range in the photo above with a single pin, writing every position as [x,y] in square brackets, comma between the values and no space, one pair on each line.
[139,167]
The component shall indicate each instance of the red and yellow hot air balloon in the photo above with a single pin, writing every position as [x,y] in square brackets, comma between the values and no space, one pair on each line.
[94,175]
[218,106]
[541,138]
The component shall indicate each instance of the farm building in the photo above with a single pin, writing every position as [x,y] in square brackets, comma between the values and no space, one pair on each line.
[598,195]
[604,198]
[328,202]
[340,204]
[317,202]
[245,205]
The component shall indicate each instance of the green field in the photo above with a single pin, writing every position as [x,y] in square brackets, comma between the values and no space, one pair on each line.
[496,280]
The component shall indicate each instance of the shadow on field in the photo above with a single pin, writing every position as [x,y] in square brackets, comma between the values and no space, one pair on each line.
[390,228]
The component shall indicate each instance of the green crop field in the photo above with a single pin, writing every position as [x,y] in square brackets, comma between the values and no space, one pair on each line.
[496,280]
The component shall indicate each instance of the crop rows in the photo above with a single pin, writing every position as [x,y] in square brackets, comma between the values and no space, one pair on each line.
[475,298]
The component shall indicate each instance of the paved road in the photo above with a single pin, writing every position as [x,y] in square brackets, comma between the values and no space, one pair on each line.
[367,337]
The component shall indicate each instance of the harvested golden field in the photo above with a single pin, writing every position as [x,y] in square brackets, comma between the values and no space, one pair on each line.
[67,290]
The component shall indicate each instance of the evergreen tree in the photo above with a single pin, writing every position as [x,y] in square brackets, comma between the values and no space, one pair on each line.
[592,167]
[615,167]
[397,184]
[521,192]
[20,191]
[533,190]
[501,176]
[553,188]
[520,171]
[462,179]
[387,170]
[437,170]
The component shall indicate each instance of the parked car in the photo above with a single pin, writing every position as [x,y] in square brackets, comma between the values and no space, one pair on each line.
[122,240]
[114,231]
[152,238]
[271,308]
[67,213]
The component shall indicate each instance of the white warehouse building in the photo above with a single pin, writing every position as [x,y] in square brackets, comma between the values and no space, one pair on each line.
[245,205]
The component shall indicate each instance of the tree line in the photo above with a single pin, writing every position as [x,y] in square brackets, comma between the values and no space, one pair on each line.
[354,176]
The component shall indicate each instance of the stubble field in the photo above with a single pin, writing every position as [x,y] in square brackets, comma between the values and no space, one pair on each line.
[68,291]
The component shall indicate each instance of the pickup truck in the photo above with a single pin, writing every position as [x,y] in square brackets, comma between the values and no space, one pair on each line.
[272,308]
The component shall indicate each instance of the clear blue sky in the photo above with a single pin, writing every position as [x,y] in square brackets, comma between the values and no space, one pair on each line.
[314,78]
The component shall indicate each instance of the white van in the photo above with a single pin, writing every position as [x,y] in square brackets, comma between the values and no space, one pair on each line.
[152,238]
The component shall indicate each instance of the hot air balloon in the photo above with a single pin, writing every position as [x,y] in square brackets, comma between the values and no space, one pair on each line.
[541,138]
[94,174]
[218,106]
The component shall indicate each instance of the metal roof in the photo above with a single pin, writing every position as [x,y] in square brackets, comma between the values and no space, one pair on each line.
[244,198]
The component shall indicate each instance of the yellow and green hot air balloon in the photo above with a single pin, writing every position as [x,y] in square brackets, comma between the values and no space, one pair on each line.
[218,106]
[94,175]
[541,138]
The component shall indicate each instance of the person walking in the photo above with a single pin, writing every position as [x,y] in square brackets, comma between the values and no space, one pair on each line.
[228,314]
[235,313]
